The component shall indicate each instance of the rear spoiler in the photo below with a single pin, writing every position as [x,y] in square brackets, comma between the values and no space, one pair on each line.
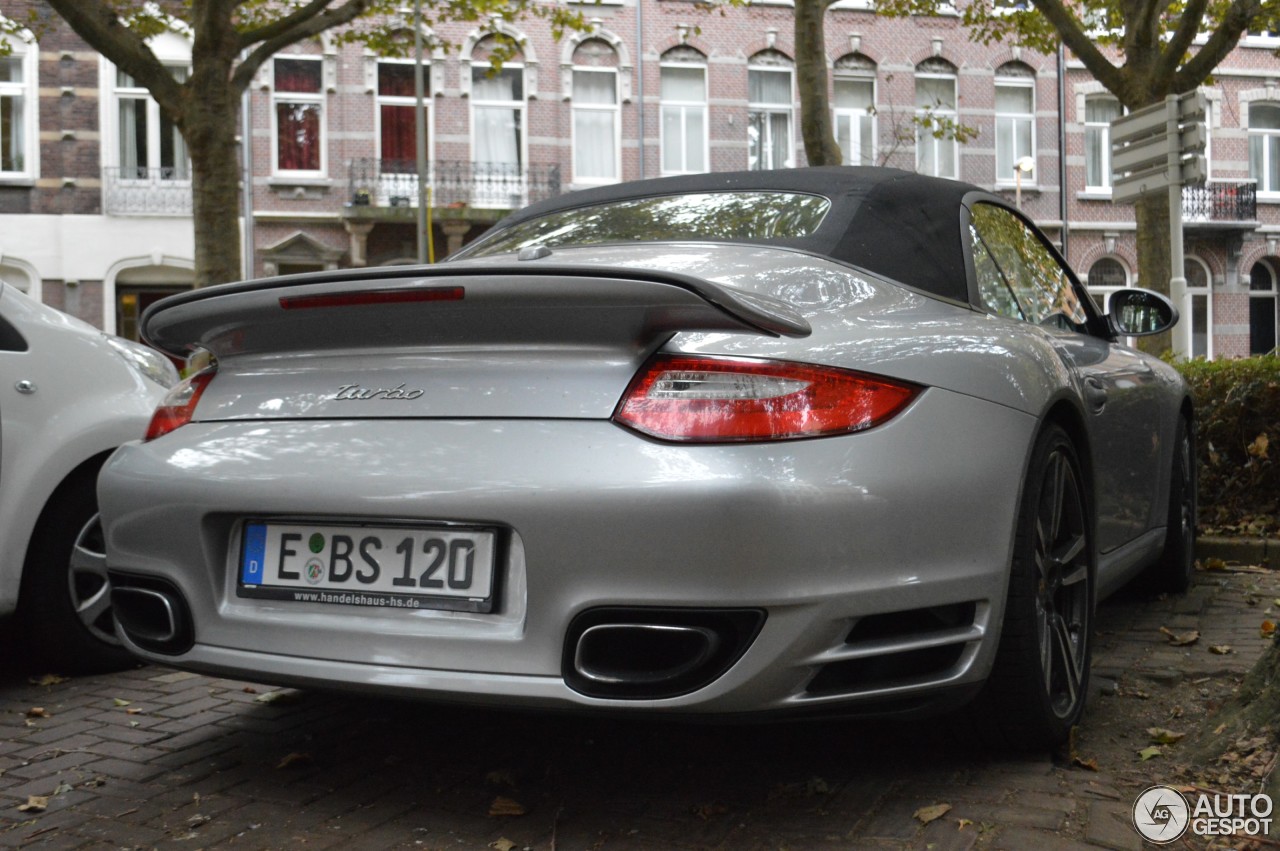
[411,306]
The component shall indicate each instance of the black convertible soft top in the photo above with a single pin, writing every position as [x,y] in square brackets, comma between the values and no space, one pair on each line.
[894,223]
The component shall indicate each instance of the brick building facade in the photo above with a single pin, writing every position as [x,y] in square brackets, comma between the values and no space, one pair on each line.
[95,201]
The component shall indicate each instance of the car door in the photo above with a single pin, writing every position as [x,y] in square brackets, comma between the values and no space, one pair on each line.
[1021,277]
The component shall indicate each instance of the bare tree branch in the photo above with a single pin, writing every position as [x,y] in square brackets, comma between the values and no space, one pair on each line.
[101,28]
[1188,26]
[1075,38]
[275,28]
[1221,42]
[312,26]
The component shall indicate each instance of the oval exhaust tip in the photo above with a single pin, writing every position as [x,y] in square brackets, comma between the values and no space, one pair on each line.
[642,653]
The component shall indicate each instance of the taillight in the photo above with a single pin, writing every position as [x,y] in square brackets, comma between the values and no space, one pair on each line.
[711,399]
[179,404]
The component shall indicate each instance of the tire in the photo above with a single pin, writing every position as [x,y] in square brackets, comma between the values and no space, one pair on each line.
[1173,571]
[1038,686]
[64,615]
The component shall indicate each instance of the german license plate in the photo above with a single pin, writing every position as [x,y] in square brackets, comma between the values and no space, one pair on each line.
[403,567]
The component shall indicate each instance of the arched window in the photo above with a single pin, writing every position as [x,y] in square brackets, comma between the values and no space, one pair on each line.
[19,125]
[1198,307]
[936,149]
[1105,277]
[1099,112]
[596,136]
[684,111]
[854,87]
[1262,308]
[1264,145]
[1015,120]
[769,108]
[497,111]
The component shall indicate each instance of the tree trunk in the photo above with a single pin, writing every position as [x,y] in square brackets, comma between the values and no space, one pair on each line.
[1253,711]
[1154,266]
[820,146]
[215,186]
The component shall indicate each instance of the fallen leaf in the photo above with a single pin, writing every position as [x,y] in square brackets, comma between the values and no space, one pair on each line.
[133,710]
[1258,449]
[119,701]
[62,789]
[38,712]
[47,680]
[1149,753]
[282,697]
[1182,640]
[962,823]
[1220,649]
[198,819]
[133,723]
[1217,731]
[503,844]
[1087,764]
[249,690]
[34,804]
[1161,736]
[1268,629]
[933,813]
[506,807]
[293,760]
[1214,564]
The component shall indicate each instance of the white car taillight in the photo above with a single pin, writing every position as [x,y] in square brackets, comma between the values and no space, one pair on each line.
[711,400]
[179,405]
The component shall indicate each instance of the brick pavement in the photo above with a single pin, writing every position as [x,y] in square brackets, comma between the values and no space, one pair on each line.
[153,758]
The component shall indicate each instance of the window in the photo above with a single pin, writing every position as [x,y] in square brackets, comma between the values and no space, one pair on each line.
[1105,277]
[1262,309]
[298,112]
[936,114]
[150,147]
[1264,145]
[1015,120]
[497,117]
[1099,112]
[856,120]
[595,125]
[18,123]
[1198,307]
[684,118]
[769,102]
[1018,276]
[397,121]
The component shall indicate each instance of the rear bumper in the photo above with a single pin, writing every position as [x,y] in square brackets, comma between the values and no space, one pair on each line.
[820,534]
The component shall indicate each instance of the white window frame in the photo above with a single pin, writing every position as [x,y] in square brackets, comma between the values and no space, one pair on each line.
[1272,294]
[25,49]
[1261,180]
[924,137]
[684,107]
[1187,309]
[381,100]
[520,106]
[135,92]
[774,109]
[856,117]
[318,98]
[1007,177]
[1105,130]
[615,109]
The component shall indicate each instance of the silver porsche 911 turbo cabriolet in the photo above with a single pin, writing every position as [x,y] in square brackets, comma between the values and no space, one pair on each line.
[843,440]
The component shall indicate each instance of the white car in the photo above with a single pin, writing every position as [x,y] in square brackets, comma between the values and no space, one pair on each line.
[69,395]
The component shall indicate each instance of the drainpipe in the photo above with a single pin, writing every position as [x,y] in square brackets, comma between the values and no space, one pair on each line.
[246,156]
[640,82]
[1062,144]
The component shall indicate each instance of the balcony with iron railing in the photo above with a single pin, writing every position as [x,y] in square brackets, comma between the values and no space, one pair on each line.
[131,191]
[388,189]
[1221,206]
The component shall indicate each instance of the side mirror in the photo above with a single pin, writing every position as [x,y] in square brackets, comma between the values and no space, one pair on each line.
[1140,313]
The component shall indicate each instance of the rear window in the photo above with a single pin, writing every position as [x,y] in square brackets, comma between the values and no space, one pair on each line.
[736,216]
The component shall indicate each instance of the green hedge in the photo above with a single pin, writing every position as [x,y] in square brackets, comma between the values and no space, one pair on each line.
[1238,439]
